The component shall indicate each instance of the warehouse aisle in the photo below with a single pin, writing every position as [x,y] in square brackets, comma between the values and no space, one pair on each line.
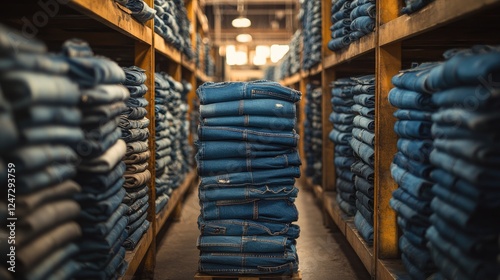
[323,254]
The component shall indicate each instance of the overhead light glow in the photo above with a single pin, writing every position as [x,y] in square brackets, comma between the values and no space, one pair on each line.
[241,22]
[244,38]
[234,57]
[278,51]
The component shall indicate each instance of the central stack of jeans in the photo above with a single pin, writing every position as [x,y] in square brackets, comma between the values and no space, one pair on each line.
[362,143]
[411,167]
[464,236]
[40,122]
[101,169]
[135,133]
[313,133]
[248,161]
[342,119]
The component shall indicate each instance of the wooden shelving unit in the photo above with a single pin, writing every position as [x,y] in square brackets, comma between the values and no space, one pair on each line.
[398,41]
[111,31]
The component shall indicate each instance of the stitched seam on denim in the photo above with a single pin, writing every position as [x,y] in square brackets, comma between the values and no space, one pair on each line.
[270,93]
[247,131]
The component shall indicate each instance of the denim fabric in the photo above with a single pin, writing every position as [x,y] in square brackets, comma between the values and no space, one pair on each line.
[135,134]
[96,196]
[137,91]
[137,157]
[364,24]
[102,209]
[278,176]
[417,150]
[413,129]
[244,244]
[408,213]
[133,225]
[131,242]
[453,132]
[235,227]
[262,107]
[138,204]
[364,228]
[419,257]
[366,201]
[464,70]
[412,100]
[415,79]
[106,161]
[345,186]
[236,149]
[338,137]
[48,176]
[39,156]
[104,271]
[363,186]
[420,205]
[364,122]
[339,43]
[408,226]
[137,102]
[340,118]
[135,113]
[91,181]
[271,210]
[23,90]
[475,97]
[33,252]
[365,136]
[364,151]
[414,185]
[137,179]
[415,115]
[102,113]
[211,92]
[364,111]
[49,265]
[348,208]
[414,5]
[105,227]
[104,94]
[55,134]
[91,71]
[472,120]
[160,202]
[126,123]
[101,130]
[367,9]
[363,170]
[134,76]
[365,212]
[273,123]
[223,166]
[468,171]
[419,169]
[213,133]
[13,41]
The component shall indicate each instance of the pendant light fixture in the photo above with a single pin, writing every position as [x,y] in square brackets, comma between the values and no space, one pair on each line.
[241,21]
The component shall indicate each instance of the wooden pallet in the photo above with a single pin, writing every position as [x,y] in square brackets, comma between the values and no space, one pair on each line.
[202,276]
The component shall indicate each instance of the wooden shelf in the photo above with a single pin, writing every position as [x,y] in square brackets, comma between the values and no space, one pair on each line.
[188,64]
[316,70]
[434,15]
[346,225]
[295,78]
[135,257]
[167,50]
[391,270]
[200,75]
[364,45]
[173,202]
[114,16]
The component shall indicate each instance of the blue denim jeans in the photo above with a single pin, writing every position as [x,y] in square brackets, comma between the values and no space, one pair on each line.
[258,107]
[48,176]
[211,92]
[409,214]
[250,192]
[38,115]
[272,123]
[367,100]
[364,122]
[364,228]
[367,9]
[92,71]
[133,239]
[244,244]
[419,257]
[338,137]
[363,135]
[238,149]
[413,129]
[414,185]
[418,204]
[30,158]
[419,169]
[409,99]
[271,210]
[134,76]
[363,186]
[415,78]
[340,118]
[339,43]
[464,69]
[417,150]
[414,5]
[104,94]
[471,98]
[137,91]
[272,177]
[414,115]
[364,151]
[364,24]
[345,206]
[52,262]
[363,170]
[235,227]
[259,135]
[364,111]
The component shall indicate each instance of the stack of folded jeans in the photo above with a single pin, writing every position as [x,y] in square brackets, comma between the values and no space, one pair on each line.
[172,24]
[140,10]
[40,124]
[362,143]
[411,167]
[135,133]
[362,18]
[100,172]
[341,24]
[248,161]
[284,66]
[311,26]
[463,238]
[197,51]
[295,52]
[313,133]
[342,120]
[414,5]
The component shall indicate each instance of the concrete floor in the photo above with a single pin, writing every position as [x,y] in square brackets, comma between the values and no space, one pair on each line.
[324,254]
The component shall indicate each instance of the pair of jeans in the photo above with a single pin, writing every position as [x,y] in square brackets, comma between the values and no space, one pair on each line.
[105,162]
[131,242]
[35,157]
[271,210]
[25,90]
[364,24]
[363,186]
[50,265]
[363,135]
[134,113]
[414,185]
[413,129]
[417,150]
[409,214]
[13,41]
[411,100]
[137,91]
[115,266]
[93,115]
[136,158]
[137,179]
[238,227]
[415,78]
[259,135]
[104,94]
[365,229]
[362,170]
[480,121]
[419,257]
[413,115]
[367,9]
[105,227]
[419,169]
[211,92]
[364,111]
[364,151]
[250,192]
[418,204]
[345,206]
[345,186]
[271,177]
[45,177]
[341,118]
[43,115]
[101,210]
[273,123]
[243,244]
[237,149]
[126,123]
[472,97]
[475,151]
[161,202]
[258,107]
[134,76]
[135,134]
[96,183]
[232,165]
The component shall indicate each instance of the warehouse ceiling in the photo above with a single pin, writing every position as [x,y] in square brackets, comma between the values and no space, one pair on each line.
[272,21]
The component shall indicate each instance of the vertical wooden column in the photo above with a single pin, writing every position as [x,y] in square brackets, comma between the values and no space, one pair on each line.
[328,184]
[326,34]
[388,63]
[144,58]
[301,115]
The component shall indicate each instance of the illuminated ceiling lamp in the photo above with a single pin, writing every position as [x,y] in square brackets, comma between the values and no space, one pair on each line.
[241,21]
[244,38]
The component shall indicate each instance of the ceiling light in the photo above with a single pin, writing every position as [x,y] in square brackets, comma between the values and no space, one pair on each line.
[244,38]
[241,22]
